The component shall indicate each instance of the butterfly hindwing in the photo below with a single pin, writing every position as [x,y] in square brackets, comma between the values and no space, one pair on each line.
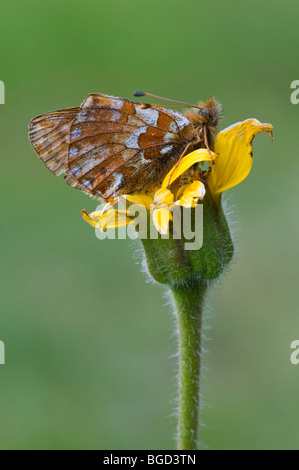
[50,137]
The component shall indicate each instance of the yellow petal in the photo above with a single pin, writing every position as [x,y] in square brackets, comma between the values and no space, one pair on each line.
[161,217]
[200,155]
[233,145]
[163,196]
[97,215]
[114,219]
[89,219]
[140,198]
[190,193]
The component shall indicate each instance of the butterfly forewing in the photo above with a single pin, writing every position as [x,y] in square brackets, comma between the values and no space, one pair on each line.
[111,146]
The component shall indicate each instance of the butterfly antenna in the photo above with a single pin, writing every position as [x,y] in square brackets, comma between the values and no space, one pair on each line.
[143,93]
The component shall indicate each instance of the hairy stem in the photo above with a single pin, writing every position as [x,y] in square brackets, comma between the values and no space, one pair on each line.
[189,302]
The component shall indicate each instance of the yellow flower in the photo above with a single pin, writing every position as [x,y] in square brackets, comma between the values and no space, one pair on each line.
[185,184]
[233,145]
[159,200]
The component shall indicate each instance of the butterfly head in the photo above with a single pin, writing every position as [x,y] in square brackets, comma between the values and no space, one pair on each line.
[205,118]
[210,113]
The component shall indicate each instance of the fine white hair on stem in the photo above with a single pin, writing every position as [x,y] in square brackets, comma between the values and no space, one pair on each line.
[204,369]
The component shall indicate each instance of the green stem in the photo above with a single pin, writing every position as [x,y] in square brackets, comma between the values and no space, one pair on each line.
[189,303]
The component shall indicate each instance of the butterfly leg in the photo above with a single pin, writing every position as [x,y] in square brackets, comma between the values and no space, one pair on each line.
[207,143]
[110,204]
[182,155]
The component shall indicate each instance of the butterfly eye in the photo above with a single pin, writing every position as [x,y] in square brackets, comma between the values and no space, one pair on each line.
[205,113]
[209,116]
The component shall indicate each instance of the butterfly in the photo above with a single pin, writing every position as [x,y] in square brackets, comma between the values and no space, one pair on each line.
[112,146]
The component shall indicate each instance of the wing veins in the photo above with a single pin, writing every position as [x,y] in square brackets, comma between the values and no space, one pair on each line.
[126,148]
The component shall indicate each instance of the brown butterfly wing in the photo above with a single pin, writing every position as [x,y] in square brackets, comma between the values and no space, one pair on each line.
[50,137]
[110,146]
[117,147]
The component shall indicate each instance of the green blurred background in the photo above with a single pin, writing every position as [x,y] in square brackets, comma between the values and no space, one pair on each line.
[88,341]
